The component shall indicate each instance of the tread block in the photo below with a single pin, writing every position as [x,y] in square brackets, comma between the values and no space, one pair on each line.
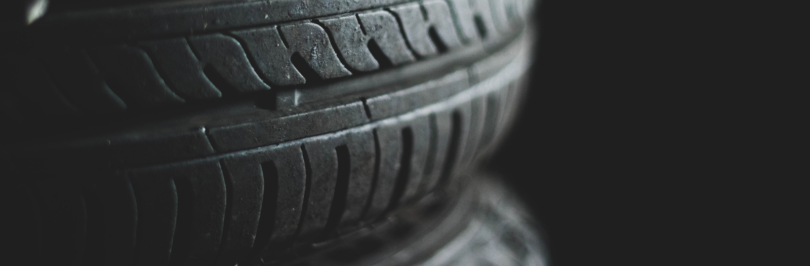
[143,149]
[259,187]
[271,56]
[181,210]
[473,19]
[513,91]
[417,27]
[420,128]
[351,42]
[402,162]
[361,174]
[322,183]
[157,212]
[361,151]
[352,34]
[207,216]
[325,162]
[181,69]
[441,132]
[383,28]
[81,82]
[226,58]
[476,119]
[503,95]
[246,136]
[390,149]
[247,168]
[407,100]
[463,113]
[312,43]
[500,16]
[173,69]
[242,214]
[130,74]
[198,211]
[492,121]
[506,112]
[274,57]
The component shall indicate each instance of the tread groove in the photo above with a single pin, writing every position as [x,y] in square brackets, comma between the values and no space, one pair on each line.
[441,47]
[228,208]
[341,190]
[378,54]
[297,175]
[432,147]
[467,18]
[377,162]
[161,73]
[283,38]
[360,21]
[452,151]
[335,46]
[424,12]
[268,212]
[310,75]
[139,227]
[404,168]
[219,81]
[480,26]
[183,232]
[115,97]
[490,122]
[250,57]
[307,186]
[402,33]
[366,108]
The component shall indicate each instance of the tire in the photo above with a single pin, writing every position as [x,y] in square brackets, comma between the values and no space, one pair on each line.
[198,134]
[484,225]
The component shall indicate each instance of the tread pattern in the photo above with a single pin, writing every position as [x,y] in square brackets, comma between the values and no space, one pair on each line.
[236,191]
[222,199]
[484,225]
[500,232]
[94,81]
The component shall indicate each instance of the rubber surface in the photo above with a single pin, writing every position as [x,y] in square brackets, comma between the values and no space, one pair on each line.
[484,224]
[84,76]
[136,153]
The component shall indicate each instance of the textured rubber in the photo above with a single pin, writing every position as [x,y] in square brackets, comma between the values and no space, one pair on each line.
[156,65]
[367,109]
[483,225]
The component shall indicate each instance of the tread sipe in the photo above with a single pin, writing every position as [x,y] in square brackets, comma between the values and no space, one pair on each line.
[225,132]
[145,62]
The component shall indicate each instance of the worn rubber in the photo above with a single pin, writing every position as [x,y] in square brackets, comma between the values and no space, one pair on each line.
[156,146]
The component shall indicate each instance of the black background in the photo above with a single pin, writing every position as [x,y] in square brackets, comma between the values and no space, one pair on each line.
[631,146]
